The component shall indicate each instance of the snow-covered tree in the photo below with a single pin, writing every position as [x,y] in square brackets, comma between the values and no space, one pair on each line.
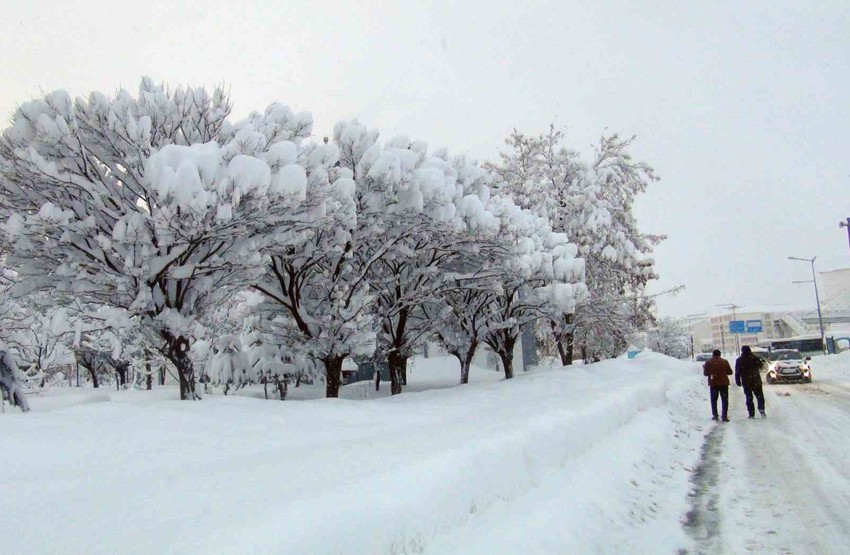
[266,363]
[669,337]
[228,365]
[422,213]
[150,203]
[462,313]
[317,300]
[395,219]
[10,384]
[43,347]
[591,202]
[542,279]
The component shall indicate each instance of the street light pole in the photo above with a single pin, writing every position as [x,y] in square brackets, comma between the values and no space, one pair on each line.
[817,297]
[734,308]
[690,319]
[846,224]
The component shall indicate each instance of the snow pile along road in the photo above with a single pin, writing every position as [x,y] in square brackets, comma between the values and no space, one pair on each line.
[593,458]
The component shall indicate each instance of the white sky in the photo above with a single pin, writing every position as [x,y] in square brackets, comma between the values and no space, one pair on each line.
[741,107]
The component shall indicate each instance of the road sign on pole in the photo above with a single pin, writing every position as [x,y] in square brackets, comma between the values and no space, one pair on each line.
[737,326]
[754,326]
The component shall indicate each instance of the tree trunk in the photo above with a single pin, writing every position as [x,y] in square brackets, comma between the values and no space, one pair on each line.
[282,388]
[564,341]
[93,373]
[562,352]
[398,367]
[465,360]
[161,375]
[149,377]
[333,370]
[507,357]
[507,364]
[15,394]
[177,351]
[465,364]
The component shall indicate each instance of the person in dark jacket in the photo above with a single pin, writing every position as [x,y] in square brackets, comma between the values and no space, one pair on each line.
[718,371]
[748,375]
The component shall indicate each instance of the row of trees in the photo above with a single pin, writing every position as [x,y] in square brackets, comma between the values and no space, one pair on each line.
[162,229]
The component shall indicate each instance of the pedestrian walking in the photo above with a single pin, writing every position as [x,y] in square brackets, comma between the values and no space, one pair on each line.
[718,371]
[748,375]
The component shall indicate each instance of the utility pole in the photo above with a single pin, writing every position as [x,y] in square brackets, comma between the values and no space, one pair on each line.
[734,308]
[817,297]
[690,318]
[846,224]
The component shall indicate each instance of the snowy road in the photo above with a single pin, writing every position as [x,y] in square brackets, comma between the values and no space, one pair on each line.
[778,485]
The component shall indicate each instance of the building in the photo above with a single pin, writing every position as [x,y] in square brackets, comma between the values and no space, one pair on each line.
[776,323]
[700,331]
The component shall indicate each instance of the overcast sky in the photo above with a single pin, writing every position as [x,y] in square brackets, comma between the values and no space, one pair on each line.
[743,108]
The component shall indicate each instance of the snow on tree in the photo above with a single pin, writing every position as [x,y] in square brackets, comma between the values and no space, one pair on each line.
[151,203]
[317,298]
[9,380]
[542,279]
[32,330]
[462,311]
[599,328]
[42,347]
[669,337]
[591,202]
[267,365]
[422,213]
[394,220]
[229,366]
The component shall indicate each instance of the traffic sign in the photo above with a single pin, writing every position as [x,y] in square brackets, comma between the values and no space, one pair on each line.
[754,326]
[737,326]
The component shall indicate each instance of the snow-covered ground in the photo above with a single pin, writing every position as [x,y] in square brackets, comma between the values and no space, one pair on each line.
[615,457]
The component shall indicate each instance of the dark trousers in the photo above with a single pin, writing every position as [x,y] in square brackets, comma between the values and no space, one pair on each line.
[723,392]
[750,390]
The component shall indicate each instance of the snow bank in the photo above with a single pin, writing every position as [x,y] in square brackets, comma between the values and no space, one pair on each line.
[390,475]
[832,367]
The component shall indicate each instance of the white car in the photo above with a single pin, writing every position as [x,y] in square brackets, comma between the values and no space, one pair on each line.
[788,365]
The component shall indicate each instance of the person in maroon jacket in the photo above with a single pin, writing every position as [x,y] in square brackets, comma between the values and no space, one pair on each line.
[718,371]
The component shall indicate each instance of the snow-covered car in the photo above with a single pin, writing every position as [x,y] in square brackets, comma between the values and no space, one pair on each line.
[702,357]
[788,365]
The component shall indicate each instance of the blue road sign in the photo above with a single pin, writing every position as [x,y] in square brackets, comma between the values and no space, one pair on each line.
[737,326]
[754,326]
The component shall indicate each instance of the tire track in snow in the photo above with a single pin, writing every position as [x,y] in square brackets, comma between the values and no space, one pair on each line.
[702,522]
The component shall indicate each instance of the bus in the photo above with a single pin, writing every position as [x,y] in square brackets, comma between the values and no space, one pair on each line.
[808,345]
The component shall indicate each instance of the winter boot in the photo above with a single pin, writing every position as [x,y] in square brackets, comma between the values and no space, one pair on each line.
[763,414]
